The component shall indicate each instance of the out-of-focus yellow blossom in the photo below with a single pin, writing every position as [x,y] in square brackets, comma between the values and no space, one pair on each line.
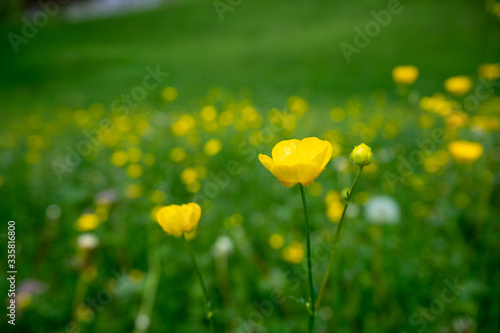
[233,221]
[97,110]
[337,114]
[134,155]
[293,253]
[87,222]
[297,105]
[179,219]
[83,313]
[496,8]
[436,161]
[490,71]
[298,161]
[456,119]
[426,121]
[183,125]
[458,85]
[193,187]
[102,213]
[178,154]
[208,113]
[189,175]
[133,191]
[315,189]
[157,197]
[169,94]
[280,118]
[226,118]
[119,158]
[81,117]
[487,123]
[23,300]
[149,159]
[464,151]
[334,211]
[406,75]
[123,124]
[134,170]
[437,104]
[276,241]
[332,196]
[33,157]
[212,147]
[35,142]
[361,155]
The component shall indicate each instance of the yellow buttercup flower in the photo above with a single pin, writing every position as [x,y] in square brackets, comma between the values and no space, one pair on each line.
[406,75]
[465,151]
[87,222]
[169,94]
[179,219]
[490,71]
[293,253]
[298,161]
[458,85]
[361,155]
[212,147]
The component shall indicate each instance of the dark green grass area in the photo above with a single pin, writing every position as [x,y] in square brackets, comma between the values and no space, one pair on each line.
[274,48]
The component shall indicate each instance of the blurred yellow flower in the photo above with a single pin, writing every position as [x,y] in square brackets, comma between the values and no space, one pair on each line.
[490,71]
[119,158]
[134,170]
[178,219]
[157,197]
[458,85]
[169,94]
[487,123]
[334,211]
[226,118]
[133,191]
[297,105]
[276,241]
[134,155]
[189,175]
[209,113]
[183,125]
[337,114]
[87,222]
[361,155]
[406,75]
[178,154]
[293,253]
[465,151]
[212,147]
[298,161]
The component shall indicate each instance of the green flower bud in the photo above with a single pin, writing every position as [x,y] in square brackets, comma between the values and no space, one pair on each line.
[361,155]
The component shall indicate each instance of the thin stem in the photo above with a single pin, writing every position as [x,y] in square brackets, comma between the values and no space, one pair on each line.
[309,263]
[336,239]
[208,313]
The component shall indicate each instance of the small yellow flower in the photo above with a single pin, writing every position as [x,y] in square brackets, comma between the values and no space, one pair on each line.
[490,71]
[178,154]
[134,155]
[458,85]
[183,125]
[465,151]
[169,94]
[134,170]
[406,75]
[361,155]
[178,219]
[293,253]
[276,241]
[298,161]
[212,147]
[87,222]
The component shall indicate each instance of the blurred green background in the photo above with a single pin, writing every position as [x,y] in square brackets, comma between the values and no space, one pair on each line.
[267,71]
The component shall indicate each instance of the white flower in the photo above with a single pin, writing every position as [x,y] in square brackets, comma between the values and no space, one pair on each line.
[87,241]
[223,247]
[382,209]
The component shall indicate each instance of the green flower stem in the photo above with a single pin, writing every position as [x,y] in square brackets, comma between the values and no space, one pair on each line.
[309,263]
[208,313]
[336,239]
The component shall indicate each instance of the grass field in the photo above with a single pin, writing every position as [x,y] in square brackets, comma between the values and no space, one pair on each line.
[85,166]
